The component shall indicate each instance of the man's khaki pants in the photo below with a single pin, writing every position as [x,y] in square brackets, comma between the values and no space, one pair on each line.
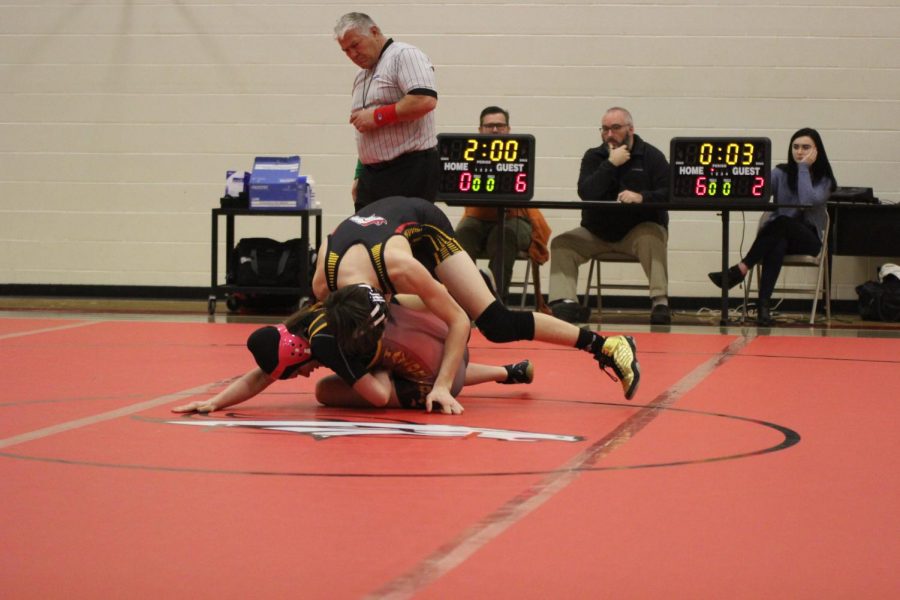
[647,241]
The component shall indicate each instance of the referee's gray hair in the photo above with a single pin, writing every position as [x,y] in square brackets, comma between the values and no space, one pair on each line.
[353,21]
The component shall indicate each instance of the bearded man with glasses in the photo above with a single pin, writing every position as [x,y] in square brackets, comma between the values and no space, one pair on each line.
[628,170]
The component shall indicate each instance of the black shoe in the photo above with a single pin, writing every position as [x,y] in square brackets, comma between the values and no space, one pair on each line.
[661,315]
[521,372]
[570,311]
[734,277]
[763,317]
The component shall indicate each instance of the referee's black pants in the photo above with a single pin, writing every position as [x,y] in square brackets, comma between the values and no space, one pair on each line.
[414,175]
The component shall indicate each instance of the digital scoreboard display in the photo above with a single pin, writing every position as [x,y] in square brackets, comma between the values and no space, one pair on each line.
[720,168]
[486,167]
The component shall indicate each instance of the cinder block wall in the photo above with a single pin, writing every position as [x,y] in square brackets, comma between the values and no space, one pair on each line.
[118,119]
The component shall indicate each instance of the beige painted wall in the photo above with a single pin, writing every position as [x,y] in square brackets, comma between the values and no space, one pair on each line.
[118,119]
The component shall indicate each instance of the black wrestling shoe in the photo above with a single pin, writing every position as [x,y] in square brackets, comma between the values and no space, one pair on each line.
[520,372]
[619,353]
[570,311]
[734,277]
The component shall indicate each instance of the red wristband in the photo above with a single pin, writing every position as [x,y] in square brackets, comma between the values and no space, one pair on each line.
[385,115]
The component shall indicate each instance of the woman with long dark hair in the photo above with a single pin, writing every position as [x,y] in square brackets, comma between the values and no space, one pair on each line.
[804,183]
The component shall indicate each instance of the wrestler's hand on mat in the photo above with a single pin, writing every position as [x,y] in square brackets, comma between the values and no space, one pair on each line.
[200,406]
[443,398]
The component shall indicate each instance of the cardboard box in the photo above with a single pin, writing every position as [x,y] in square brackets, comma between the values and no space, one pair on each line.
[276,183]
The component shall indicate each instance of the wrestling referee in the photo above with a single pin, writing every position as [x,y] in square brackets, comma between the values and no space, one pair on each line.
[394,96]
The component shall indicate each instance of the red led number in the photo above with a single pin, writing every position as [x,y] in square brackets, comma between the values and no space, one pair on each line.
[521,183]
[700,187]
[758,186]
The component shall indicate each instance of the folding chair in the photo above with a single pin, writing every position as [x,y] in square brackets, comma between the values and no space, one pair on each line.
[599,286]
[822,286]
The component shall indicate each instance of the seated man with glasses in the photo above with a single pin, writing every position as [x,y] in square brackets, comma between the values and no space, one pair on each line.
[526,229]
[628,170]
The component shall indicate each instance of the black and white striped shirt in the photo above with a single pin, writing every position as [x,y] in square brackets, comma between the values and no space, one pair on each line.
[401,69]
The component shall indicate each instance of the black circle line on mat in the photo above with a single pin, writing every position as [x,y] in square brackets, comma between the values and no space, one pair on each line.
[790,438]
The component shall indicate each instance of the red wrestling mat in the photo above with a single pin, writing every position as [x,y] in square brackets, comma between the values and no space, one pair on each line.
[745,468]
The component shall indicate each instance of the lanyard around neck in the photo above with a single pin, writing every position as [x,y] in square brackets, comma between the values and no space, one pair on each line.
[367,82]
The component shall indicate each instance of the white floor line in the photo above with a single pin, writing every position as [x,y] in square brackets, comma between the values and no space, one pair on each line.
[107,416]
[454,553]
[7,336]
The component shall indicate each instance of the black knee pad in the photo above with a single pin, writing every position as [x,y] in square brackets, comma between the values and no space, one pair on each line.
[499,324]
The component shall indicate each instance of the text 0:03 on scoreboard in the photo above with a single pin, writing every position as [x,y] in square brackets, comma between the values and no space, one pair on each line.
[486,167]
[724,168]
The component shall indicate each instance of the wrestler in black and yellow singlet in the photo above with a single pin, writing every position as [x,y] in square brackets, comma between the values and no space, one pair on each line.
[411,349]
[427,229]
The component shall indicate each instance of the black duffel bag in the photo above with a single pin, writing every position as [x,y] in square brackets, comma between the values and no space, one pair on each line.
[267,262]
[880,300]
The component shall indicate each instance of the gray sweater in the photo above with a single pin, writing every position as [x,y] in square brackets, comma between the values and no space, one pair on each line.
[809,199]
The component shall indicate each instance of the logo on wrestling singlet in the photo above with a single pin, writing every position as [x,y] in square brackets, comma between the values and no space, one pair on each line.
[367,221]
[323,430]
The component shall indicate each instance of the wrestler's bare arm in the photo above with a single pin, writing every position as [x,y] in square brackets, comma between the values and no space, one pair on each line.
[247,386]
[411,277]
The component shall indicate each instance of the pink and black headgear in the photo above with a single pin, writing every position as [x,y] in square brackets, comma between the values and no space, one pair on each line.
[278,352]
